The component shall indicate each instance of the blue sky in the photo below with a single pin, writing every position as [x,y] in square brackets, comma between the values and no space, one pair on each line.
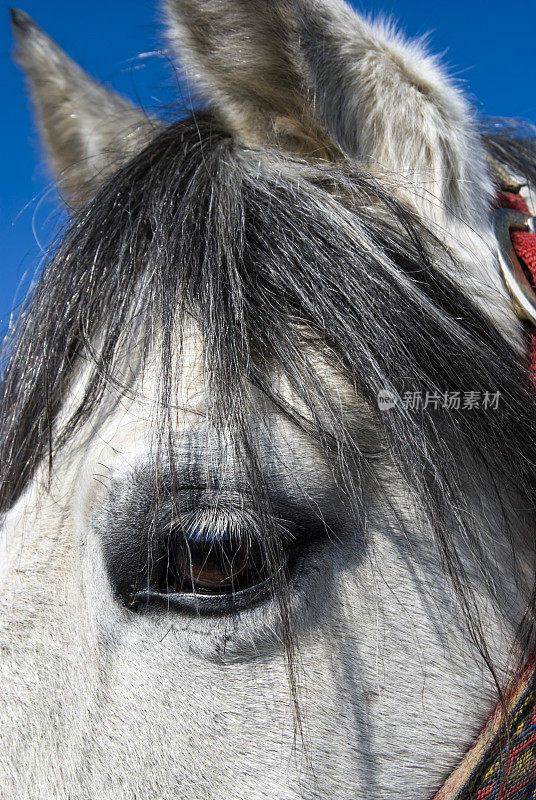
[488,46]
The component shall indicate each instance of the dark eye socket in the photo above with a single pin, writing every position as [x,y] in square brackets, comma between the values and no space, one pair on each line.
[208,563]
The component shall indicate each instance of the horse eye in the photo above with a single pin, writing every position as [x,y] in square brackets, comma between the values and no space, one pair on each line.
[201,563]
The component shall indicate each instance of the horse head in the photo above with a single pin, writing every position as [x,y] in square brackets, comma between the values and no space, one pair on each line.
[267,443]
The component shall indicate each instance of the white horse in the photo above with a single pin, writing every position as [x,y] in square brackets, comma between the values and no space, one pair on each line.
[226,573]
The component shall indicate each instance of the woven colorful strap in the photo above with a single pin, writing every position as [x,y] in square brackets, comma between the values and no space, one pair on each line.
[501,764]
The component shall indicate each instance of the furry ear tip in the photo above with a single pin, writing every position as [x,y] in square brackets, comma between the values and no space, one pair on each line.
[22,23]
[28,34]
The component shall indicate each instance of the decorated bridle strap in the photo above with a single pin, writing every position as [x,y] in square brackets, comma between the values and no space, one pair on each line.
[515,229]
[501,764]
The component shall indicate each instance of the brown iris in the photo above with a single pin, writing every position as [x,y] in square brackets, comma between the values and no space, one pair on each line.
[214,564]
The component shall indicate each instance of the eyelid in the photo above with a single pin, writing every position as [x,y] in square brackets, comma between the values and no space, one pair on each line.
[210,605]
[225,523]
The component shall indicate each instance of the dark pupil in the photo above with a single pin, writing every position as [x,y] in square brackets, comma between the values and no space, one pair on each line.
[214,565]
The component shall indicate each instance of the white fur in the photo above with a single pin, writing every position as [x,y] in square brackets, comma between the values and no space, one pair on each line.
[100,702]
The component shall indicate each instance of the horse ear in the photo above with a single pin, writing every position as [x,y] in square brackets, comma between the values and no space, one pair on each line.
[386,100]
[88,130]
[340,83]
[244,55]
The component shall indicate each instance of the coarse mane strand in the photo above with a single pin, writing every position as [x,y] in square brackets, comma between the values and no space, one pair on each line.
[266,251]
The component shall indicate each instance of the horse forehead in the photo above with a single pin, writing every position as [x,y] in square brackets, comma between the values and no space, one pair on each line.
[132,402]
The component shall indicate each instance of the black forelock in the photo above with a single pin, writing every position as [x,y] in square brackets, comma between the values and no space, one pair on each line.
[269,254]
